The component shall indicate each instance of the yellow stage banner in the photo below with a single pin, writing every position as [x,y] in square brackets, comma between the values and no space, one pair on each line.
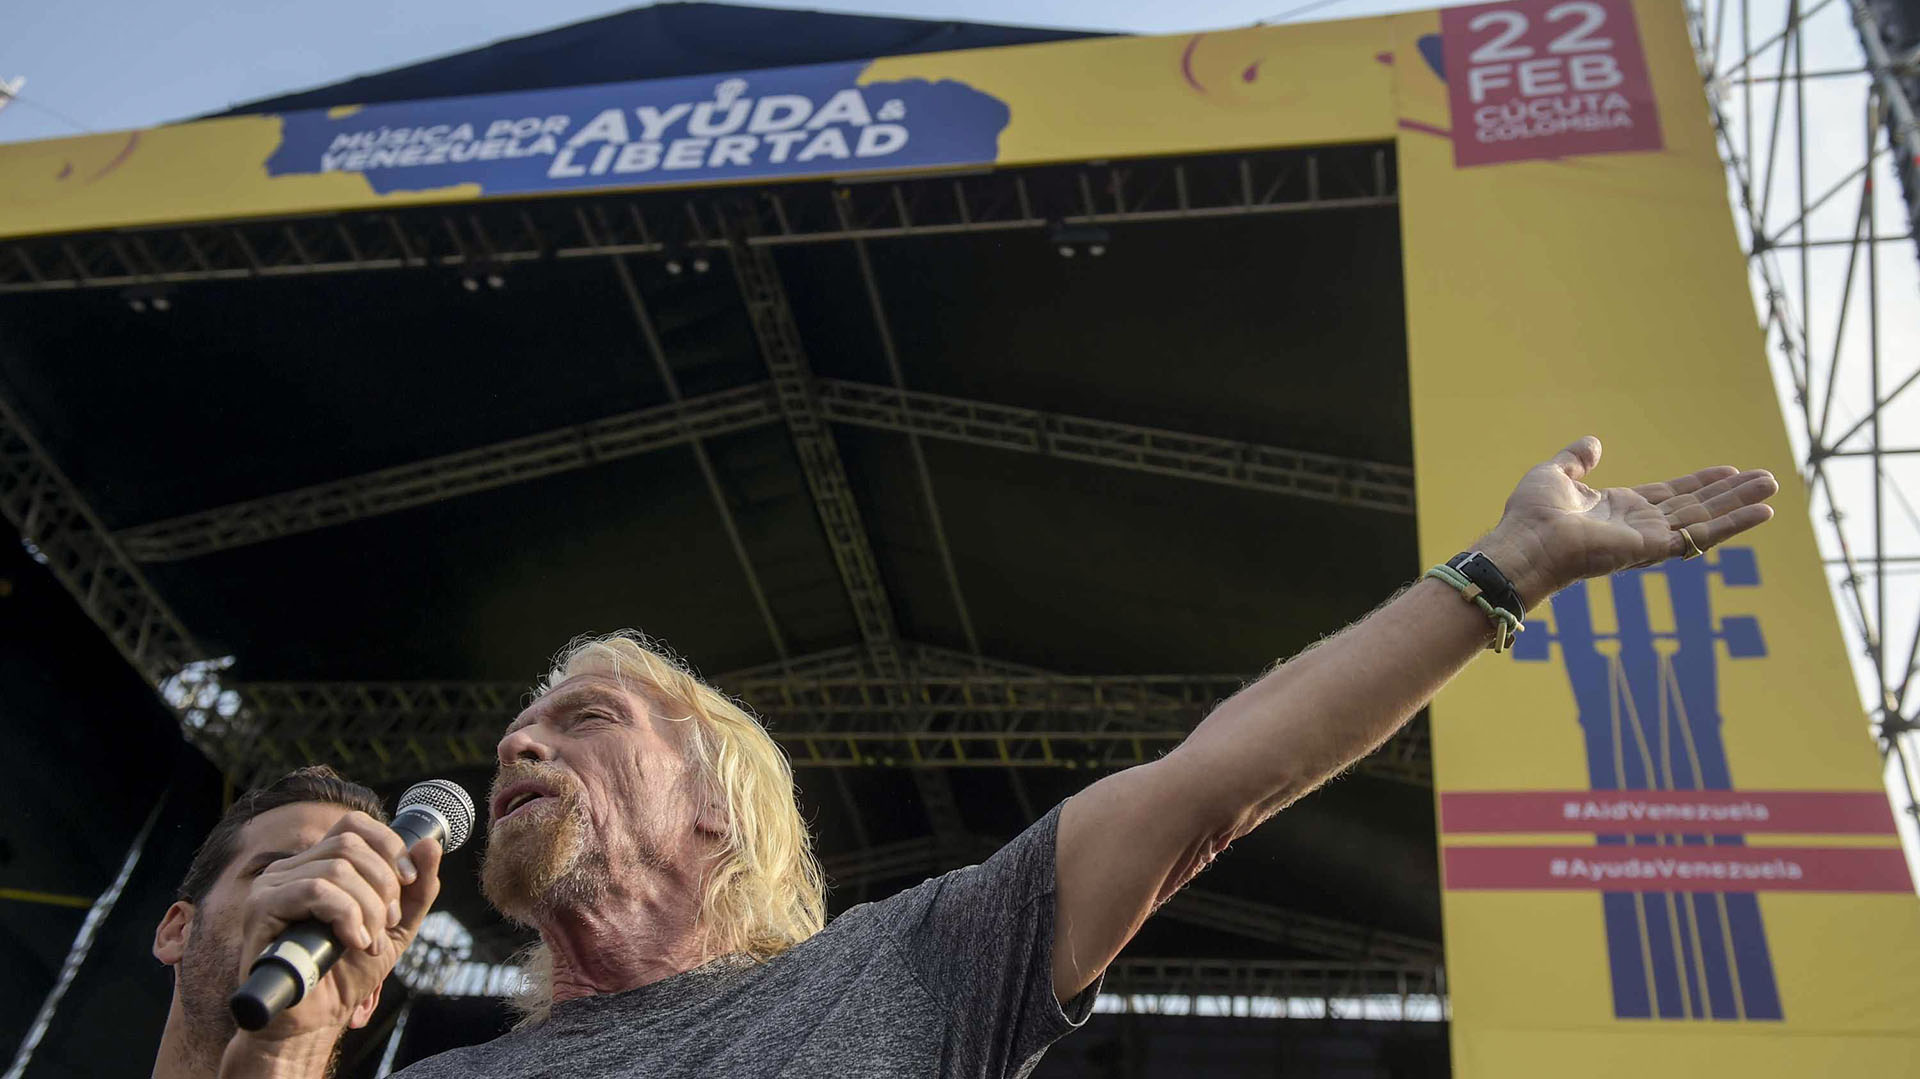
[1665,847]
[1023,105]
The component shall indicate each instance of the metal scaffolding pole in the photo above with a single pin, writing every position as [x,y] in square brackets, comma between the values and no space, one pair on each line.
[83,942]
[1813,227]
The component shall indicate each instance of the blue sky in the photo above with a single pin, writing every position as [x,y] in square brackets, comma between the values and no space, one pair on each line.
[103,65]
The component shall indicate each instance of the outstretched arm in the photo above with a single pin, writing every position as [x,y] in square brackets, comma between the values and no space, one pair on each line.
[1128,842]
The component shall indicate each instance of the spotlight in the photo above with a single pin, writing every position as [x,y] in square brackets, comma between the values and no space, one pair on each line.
[495,281]
[143,298]
[700,264]
[1071,240]
[470,284]
[674,267]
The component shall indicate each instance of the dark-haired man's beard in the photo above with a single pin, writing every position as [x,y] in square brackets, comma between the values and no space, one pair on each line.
[546,857]
[207,975]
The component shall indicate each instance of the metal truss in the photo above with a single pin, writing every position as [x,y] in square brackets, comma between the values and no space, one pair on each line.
[1285,979]
[432,961]
[1292,929]
[1358,970]
[786,359]
[650,336]
[871,707]
[836,711]
[1324,477]
[63,533]
[1812,104]
[474,979]
[493,237]
[1309,933]
[451,475]
[1328,989]
[384,730]
[922,856]
[1270,469]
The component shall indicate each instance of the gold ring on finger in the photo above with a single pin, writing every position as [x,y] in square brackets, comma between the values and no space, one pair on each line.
[1694,550]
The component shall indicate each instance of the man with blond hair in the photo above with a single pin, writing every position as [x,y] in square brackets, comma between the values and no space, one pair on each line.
[646,827]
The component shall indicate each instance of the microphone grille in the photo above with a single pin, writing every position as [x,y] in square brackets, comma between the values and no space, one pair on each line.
[450,800]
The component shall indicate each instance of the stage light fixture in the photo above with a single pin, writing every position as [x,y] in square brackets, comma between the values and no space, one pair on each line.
[143,298]
[470,284]
[1071,240]
[495,281]
[674,267]
[700,264]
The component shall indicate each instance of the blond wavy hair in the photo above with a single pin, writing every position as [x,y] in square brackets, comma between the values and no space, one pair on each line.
[764,892]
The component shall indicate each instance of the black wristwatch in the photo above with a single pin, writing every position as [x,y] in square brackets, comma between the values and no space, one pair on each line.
[1493,584]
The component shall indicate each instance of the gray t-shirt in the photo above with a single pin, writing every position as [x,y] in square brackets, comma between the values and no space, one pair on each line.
[950,978]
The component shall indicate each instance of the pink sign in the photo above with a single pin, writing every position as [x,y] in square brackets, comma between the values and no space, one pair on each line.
[1677,868]
[1546,79]
[1648,812]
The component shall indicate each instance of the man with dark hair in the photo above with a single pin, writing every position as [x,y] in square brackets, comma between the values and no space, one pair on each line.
[271,829]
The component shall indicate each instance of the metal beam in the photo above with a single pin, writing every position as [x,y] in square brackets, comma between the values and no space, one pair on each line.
[643,321]
[1903,126]
[1293,929]
[922,856]
[1343,990]
[1310,933]
[934,786]
[62,532]
[500,237]
[832,711]
[786,360]
[1286,979]
[451,475]
[1345,480]
[1828,320]
[1272,469]
[381,730]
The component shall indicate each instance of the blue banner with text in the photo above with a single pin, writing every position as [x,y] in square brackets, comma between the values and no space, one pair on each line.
[786,122]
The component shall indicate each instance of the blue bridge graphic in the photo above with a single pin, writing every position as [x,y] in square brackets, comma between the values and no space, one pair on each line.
[1649,706]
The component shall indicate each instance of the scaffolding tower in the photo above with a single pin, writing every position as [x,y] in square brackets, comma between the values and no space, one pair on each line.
[1813,106]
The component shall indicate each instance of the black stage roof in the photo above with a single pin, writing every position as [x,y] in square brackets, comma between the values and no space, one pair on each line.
[1272,325]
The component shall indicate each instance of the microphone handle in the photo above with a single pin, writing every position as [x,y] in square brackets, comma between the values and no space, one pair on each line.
[285,972]
[295,962]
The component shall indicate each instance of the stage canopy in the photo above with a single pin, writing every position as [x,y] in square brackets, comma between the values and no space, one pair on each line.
[980,418]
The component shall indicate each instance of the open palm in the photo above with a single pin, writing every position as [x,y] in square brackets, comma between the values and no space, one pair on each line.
[1569,531]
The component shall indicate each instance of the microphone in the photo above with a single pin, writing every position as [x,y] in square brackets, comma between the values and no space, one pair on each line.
[295,962]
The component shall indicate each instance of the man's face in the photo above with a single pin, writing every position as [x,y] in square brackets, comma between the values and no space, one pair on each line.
[208,962]
[594,786]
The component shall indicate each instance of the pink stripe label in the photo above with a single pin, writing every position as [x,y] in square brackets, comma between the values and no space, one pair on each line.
[1677,869]
[1650,812]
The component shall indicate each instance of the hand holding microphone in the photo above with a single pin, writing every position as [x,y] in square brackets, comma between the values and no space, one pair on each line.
[349,904]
